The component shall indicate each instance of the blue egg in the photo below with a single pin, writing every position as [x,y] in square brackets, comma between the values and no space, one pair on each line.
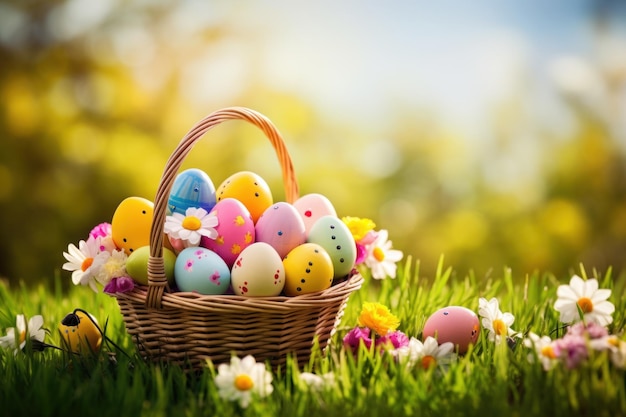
[201,270]
[191,188]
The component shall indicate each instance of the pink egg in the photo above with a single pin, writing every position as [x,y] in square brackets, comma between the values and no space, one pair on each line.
[313,206]
[455,324]
[235,230]
[281,227]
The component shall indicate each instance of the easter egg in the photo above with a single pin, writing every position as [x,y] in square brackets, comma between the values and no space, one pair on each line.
[79,332]
[137,264]
[250,189]
[313,206]
[235,230]
[282,227]
[201,270]
[308,268]
[258,271]
[333,235]
[130,226]
[455,324]
[191,188]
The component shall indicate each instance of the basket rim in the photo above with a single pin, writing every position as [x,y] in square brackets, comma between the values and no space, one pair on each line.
[196,302]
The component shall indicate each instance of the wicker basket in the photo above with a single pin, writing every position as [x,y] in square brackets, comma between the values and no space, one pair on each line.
[187,328]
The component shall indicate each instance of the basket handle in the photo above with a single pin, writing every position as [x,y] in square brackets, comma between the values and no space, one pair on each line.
[157,282]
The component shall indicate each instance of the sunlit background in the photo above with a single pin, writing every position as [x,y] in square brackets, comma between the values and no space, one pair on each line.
[490,132]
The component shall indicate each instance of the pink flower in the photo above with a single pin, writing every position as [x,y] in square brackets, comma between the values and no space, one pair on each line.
[572,349]
[357,335]
[101,230]
[394,340]
[591,329]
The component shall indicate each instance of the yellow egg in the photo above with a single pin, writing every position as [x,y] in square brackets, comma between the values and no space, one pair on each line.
[250,189]
[80,334]
[308,268]
[130,226]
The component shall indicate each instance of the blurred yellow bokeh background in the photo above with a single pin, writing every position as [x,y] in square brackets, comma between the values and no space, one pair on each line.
[488,132]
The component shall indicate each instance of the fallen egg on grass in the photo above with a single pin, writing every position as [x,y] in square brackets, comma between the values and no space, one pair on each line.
[258,272]
[80,332]
[455,324]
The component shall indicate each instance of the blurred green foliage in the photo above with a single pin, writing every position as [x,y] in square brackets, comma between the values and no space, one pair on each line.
[83,125]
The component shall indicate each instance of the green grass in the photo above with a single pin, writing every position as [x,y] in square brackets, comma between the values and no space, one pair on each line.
[488,380]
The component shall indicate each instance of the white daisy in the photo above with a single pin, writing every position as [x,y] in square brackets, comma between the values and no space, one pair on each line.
[192,226]
[497,323]
[544,350]
[243,379]
[18,341]
[614,345]
[317,382]
[427,354]
[83,261]
[586,296]
[381,258]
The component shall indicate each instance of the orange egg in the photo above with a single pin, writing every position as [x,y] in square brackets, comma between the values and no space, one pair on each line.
[250,189]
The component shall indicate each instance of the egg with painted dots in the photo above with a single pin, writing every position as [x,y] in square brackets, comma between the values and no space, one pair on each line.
[455,324]
[313,206]
[131,223]
[258,272]
[308,269]
[201,270]
[334,236]
[235,230]
[250,189]
[281,227]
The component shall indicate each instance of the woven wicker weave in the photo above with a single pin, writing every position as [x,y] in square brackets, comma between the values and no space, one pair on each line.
[187,328]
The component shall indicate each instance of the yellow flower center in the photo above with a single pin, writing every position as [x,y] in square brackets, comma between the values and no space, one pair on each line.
[379,254]
[22,336]
[192,223]
[428,361]
[243,382]
[548,352]
[86,264]
[499,327]
[585,304]
[613,341]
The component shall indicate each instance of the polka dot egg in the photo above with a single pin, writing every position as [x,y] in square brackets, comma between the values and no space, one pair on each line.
[258,272]
[308,268]
[334,236]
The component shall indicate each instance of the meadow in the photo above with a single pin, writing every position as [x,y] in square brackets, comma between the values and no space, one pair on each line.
[490,379]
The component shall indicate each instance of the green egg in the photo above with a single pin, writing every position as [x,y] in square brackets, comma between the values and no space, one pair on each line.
[137,264]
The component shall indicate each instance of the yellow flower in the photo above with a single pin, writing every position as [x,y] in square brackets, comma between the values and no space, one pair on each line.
[358,227]
[378,318]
